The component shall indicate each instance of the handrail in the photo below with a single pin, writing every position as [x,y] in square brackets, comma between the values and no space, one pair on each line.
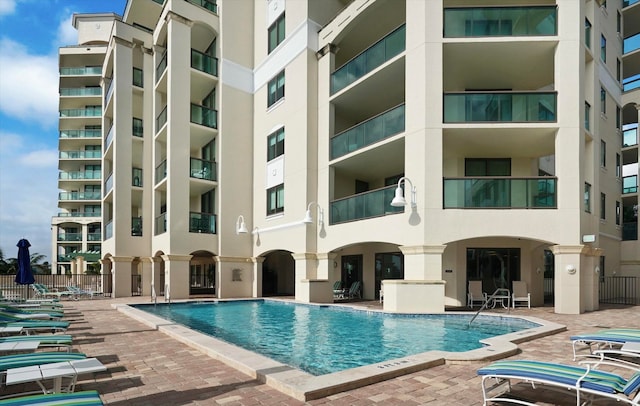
[489,300]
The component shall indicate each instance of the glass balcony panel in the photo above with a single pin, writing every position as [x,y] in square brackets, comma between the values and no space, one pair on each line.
[161,119]
[70,237]
[81,91]
[503,193]
[630,231]
[203,169]
[80,133]
[81,214]
[161,224]
[73,175]
[631,83]
[137,127]
[369,132]
[500,21]
[80,154]
[499,107]
[94,237]
[80,71]
[208,4]
[373,57]
[89,112]
[107,141]
[630,184]
[162,65]
[365,205]
[204,116]
[631,43]
[630,137]
[204,63]
[627,3]
[202,223]
[161,171]
[138,77]
[136,177]
[108,184]
[79,196]
[109,92]
[136,226]
[108,230]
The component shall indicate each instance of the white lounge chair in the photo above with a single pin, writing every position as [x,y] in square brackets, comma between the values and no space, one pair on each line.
[520,294]
[604,339]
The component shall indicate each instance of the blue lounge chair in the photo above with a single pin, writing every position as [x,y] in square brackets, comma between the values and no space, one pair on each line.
[35,358]
[30,326]
[586,382]
[40,314]
[610,338]
[84,398]
[44,340]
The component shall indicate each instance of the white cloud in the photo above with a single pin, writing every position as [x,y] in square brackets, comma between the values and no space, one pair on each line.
[7,7]
[28,84]
[67,34]
[28,194]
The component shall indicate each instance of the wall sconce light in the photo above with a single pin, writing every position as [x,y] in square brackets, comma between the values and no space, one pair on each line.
[308,218]
[571,269]
[597,269]
[399,200]
[241,227]
[538,270]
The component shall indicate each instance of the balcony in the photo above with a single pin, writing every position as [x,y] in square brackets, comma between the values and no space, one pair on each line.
[80,133]
[204,116]
[81,71]
[630,137]
[136,177]
[202,169]
[161,224]
[136,226]
[207,4]
[109,92]
[630,184]
[108,183]
[81,214]
[631,44]
[500,21]
[202,223]
[375,129]
[87,112]
[631,83]
[161,171]
[500,193]
[512,107]
[204,63]
[80,175]
[69,237]
[162,66]
[81,91]
[371,58]
[161,120]
[138,128]
[375,203]
[79,196]
[91,154]
[94,236]
[107,141]
[108,230]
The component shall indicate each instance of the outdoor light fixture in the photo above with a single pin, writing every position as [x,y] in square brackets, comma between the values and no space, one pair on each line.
[399,200]
[308,218]
[241,227]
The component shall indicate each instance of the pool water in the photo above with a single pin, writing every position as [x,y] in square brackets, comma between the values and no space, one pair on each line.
[325,339]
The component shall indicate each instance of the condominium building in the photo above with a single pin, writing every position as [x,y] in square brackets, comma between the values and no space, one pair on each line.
[428,144]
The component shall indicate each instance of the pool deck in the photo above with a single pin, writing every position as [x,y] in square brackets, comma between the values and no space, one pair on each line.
[156,366]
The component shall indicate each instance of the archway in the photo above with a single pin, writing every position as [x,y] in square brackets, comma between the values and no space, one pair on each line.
[278,274]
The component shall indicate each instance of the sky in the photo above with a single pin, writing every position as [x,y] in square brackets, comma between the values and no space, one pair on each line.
[31,31]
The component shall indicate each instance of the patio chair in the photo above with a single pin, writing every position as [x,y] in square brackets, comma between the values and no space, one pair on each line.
[44,340]
[584,381]
[35,358]
[520,294]
[607,339]
[79,292]
[42,291]
[475,294]
[84,398]
[31,312]
[354,290]
[338,291]
[29,326]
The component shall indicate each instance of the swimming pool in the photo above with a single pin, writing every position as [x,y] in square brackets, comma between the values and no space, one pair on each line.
[326,339]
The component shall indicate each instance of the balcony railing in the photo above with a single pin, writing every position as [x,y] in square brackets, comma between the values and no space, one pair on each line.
[204,63]
[500,21]
[161,119]
[109,91]
[81,91]
[138,128]
[630,231]
[630,137]
[204,116]
[202,169]
[81,214]
[81,71]
[70,237]
[80,175]
[161,2]
[202,223]
[107,141]
[630,184]
[136,226]
[208,4]
[108,183]
[91,112]
[91,154]
[94,236]
[631,44]
[162,65]
[161,224]
[365,205]
[108,230]
[138,77]
[161,171]
[631,83]
[627,3]
[376,55]
[469,107]
[136,177]
[79,195]
[377,128]
[500,193]
[81,133]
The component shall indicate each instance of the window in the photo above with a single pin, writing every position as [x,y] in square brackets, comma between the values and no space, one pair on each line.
[619,23]
[587,116]
[587,33]
[618,117]
[603,206]
[587,197]
[275,199]
[618,70]
[602,269]
[138,78]
[487,167]
[618,166]
[275,89]
[603,154]
[275,144]
[617,213]
[603,48]
[603,101]
[276,33]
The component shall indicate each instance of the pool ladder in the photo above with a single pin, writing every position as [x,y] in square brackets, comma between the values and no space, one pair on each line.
[501,293]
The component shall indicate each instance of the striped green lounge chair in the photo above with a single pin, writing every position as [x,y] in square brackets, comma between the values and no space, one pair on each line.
[84,398]
[610,338]
[35,358]
[35,325]
[30,314]
[45,340]
[586,382]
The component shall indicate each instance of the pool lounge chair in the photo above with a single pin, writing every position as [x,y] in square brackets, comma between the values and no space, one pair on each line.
[46,314]
[44,292]
[31,326]
[603,339]
[587,383]
[338,291]
[84,398]
[35,358]
[354,290]
[79,292]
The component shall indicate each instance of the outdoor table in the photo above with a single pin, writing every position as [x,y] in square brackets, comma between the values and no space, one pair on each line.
[55,372]
[19,346]
[501,298]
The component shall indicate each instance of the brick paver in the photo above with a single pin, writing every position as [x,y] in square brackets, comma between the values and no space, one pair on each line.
[147,367]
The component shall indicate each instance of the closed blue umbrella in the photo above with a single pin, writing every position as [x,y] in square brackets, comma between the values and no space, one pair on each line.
[24,275]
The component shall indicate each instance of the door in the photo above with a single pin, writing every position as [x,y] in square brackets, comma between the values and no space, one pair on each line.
[352,271]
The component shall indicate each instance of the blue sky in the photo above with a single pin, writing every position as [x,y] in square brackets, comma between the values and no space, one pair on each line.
[31,31]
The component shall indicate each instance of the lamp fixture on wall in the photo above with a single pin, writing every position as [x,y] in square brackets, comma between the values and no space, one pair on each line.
[399,200]
[308,217]
[241,227]
[571,269]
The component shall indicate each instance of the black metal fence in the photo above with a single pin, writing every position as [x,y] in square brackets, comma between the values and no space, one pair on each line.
[98,284]
[619,290]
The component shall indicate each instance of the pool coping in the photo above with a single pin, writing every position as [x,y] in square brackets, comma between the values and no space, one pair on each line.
[304,386]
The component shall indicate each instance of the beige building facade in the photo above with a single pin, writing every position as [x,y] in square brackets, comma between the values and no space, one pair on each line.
[254,148]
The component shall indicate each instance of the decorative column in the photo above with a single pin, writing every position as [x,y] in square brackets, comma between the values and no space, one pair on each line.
[176,276]
[121,276]
[236,277]
[569,273]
